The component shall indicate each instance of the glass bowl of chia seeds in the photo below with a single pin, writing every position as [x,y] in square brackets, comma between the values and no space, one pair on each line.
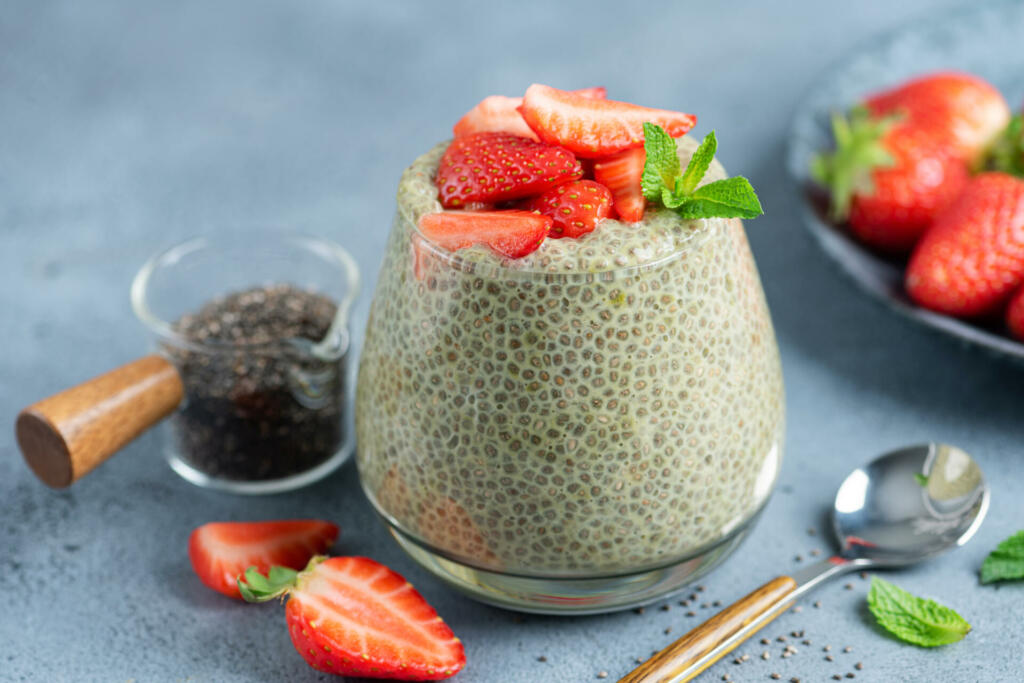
[257,326]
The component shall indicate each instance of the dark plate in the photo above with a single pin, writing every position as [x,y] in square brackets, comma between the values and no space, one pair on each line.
[986,40]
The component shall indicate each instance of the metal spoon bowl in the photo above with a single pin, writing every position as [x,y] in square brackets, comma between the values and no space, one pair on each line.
[903,507]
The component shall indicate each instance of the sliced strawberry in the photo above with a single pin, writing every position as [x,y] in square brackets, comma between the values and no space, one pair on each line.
[971,261]
[510,233]
[355,617]
[499,114]
[221,551]
[1015,315]
[594,128]
[493,167]
[621,174]
[575,208]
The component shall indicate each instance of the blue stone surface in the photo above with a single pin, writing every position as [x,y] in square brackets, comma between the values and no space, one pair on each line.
[125,127]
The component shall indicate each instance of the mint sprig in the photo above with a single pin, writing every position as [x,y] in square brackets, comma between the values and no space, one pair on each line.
[1006,562]
[663,182]
[912,619]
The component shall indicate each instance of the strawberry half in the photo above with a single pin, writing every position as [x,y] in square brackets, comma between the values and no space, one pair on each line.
[971,261]
[1015,315]
[499,114]
[621,173]
[221,551]
[594,128]
[493,167]
[355,617]
[510,233]
[574,208]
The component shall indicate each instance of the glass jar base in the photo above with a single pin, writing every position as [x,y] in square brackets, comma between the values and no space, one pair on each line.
[260,487]
[572,596]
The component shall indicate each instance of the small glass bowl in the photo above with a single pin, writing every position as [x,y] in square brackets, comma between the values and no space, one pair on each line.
[256,417]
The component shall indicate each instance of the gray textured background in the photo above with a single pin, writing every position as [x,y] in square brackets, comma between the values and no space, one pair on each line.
[124,127]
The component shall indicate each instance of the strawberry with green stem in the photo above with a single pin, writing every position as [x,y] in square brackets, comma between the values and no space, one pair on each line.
[355,617]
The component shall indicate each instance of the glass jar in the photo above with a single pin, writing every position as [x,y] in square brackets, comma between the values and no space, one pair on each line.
[588,428]
[260,414]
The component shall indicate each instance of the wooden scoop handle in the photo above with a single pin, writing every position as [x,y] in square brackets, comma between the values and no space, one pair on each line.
[65,436]
[694,652]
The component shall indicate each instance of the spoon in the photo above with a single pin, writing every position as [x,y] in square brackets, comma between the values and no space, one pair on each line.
[903,507]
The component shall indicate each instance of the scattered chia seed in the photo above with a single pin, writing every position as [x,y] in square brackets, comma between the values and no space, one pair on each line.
[829,658]
[806,641]
[847,649]
[799,558]
[684,603]
[665,608]
[257,407]
[776,676]
[849,674]
[700,589]
[726,677]
[766,655]
[765,641]
[817,603]
[858,666]
[639,660]
[602,674]
[542,658]
[836,677]
[691,614]
[737,661]
[848,586]
[668,630]
[794,679]
[638,610]
[716,603]
[744,658]
[827,648]
[704,605]
[863,575]
[811,532]
[798,609]
[781,639]
[815,552]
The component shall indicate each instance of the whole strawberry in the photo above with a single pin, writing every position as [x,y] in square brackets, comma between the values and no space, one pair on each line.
[905,155]
[958,107]
[1015,315]
[494,167]
[972,260]
[575,208]
[355,617]
[889,179]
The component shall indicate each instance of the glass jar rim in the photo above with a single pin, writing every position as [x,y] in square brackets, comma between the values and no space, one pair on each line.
[335,341]
[497,269]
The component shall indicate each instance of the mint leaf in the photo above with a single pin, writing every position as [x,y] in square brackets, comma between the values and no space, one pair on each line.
[1006,562]
[661,167]
[698,166]
[662,181]
[921,479]
[729,198]
[912,619]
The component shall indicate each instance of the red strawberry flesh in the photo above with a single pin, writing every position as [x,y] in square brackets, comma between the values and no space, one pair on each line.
[594,128]
[621,173]
[494,167]
[499,114]
[355,617]
[510,233]
[221,551]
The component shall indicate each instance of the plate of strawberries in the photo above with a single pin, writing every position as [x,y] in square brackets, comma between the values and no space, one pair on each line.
[910,160]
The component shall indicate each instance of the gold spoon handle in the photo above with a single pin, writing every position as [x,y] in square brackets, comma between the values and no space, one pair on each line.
[684,659]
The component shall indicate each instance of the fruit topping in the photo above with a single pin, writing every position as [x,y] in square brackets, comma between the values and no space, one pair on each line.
[972,259]
[621,174]
[575,208]
[493,167]
[499,114]
[594,128]
[355,617]
[510,233]
[221,551]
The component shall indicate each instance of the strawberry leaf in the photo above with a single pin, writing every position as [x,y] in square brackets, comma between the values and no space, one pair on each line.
[661,168]
[255,587]
[912,619]
[1006,562]
[1007,152]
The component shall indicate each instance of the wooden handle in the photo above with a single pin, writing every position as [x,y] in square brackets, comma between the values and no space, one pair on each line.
[671,663]
[65,436]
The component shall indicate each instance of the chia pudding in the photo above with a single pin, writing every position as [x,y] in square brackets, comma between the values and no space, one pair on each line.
[601,406]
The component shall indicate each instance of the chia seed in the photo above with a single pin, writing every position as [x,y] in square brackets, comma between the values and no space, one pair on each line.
[258,406]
